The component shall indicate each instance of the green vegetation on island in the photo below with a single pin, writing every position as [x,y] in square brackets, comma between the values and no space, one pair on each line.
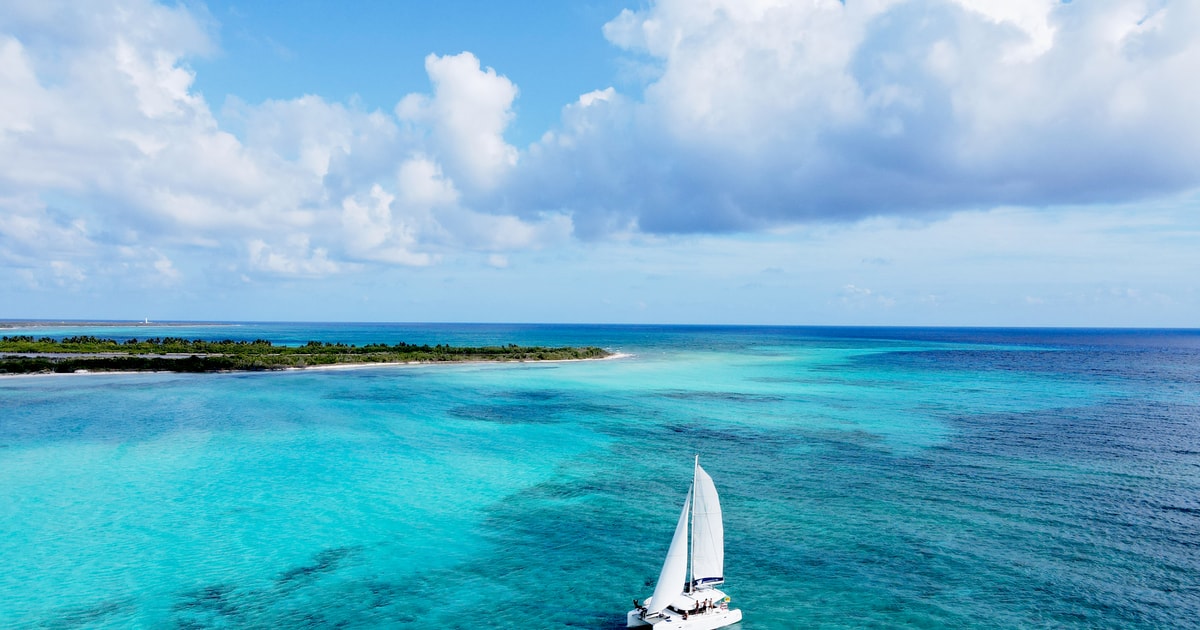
[23,354]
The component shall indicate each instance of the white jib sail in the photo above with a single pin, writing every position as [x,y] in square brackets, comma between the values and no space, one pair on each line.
[708,534]
[674,571]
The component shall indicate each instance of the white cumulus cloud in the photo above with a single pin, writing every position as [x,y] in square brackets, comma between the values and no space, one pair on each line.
[467,112]
[775,112]
[107,153]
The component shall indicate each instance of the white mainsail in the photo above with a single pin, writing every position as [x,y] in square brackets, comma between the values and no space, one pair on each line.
[708,534]
[674,570]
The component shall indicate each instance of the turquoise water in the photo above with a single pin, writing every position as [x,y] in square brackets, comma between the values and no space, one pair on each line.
[870,477]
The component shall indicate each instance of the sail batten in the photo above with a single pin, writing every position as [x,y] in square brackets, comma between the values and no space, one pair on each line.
[708,532]
[674,570]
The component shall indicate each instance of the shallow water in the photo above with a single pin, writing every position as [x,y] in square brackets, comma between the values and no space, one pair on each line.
[870,477]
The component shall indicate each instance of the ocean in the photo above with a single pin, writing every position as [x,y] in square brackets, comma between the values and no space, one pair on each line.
[870,477]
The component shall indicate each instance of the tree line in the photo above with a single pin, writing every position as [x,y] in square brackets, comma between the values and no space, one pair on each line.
[197,355]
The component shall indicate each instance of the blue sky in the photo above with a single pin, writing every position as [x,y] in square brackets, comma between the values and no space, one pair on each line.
[894,162]
[375,52]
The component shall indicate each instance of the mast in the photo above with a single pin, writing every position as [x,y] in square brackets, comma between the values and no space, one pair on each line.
[691,530]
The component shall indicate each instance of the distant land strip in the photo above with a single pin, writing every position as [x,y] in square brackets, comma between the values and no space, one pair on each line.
[24,354]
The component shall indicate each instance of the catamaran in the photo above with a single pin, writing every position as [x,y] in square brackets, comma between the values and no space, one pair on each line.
[680,602]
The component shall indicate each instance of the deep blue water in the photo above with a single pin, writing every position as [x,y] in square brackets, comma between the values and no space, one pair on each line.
[871,477]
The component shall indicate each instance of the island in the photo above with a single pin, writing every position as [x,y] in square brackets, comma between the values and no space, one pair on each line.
[24,354]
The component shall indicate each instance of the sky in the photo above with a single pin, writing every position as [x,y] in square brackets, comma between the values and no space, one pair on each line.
[874,162]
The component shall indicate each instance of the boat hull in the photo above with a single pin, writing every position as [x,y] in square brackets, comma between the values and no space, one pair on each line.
[702,621]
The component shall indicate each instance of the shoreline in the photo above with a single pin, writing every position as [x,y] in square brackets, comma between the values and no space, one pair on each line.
[322,368]
[349,366]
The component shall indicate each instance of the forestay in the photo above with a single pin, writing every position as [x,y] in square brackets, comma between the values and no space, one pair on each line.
[674,571]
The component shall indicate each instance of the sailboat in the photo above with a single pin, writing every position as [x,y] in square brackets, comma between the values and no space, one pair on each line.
[681,602]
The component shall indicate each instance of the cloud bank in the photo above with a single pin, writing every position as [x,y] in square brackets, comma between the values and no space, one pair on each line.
[756,115]
[109,158]
[772,112]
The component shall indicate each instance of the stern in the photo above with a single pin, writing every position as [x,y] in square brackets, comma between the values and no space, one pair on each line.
[634,619]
